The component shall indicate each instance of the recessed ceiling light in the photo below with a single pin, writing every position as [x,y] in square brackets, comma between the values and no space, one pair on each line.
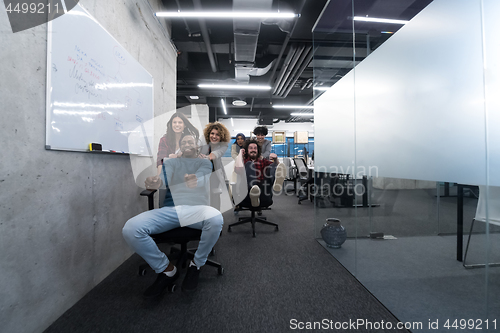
[194,97]
[233,87]
[378,20]
[227,15]
[239,102]
[293,106]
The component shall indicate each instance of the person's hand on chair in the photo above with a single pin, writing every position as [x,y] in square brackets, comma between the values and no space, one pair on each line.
[153,183]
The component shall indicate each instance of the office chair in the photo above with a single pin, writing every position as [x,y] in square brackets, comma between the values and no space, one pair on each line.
[291,173]
[305,179]
[246,205]
[180,236]
[493,217]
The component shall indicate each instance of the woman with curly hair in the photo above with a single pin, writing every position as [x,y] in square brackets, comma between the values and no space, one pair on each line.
[265,145]
[217,137]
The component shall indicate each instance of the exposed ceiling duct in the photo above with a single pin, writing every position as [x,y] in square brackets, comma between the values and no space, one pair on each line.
[246,36]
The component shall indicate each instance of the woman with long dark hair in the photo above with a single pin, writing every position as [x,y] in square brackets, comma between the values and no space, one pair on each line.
[169,142]
[177,126]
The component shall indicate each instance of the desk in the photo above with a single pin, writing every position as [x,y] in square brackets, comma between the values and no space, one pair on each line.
[348,193]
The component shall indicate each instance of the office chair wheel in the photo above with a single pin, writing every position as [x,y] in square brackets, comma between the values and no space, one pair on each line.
[220,270]
[300,203]
[143,269]
[229,229]
[171,288]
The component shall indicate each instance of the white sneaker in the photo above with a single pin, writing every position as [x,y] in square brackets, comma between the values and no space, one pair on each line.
[279,177]
[255,196]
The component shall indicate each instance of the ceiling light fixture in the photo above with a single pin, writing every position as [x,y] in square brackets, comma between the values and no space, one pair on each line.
[233,87]
[239,102]
[298,114]
[227,15]
[223,106]
[194,97]
[321,88]
[378,20]
[232,122]
[293,106]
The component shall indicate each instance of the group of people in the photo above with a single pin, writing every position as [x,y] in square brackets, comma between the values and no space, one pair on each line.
[194,177]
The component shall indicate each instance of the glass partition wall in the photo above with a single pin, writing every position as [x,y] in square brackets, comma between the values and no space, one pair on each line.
[408,155]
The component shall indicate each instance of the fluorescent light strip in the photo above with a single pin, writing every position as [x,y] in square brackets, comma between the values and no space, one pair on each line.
[321,88]
[233,87]
[378,20]
[223,105]
[232,123]
[227,15]
[293,106]
[298,114]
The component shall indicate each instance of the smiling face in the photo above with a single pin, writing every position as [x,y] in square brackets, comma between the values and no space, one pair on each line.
[178,125]
[260,138]
[214,136]
[253,151]
[188,147]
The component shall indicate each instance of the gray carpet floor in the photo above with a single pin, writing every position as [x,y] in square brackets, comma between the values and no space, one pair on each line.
[270,283]
[418,278]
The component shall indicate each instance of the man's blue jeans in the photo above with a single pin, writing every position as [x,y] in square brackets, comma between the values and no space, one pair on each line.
[138,229]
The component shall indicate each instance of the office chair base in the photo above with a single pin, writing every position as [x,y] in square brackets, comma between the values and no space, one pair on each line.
[253,219]
[182,259]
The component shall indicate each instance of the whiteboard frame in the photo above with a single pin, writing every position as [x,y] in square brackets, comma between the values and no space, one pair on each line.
[48,111]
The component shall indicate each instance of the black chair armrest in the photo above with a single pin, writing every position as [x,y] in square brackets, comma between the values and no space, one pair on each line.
[150,195]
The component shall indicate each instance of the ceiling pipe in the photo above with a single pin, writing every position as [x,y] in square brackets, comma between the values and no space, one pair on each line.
[285,43]
[368,47]
[288,58]
[206,36]
[297,70]
[307,59]
[184,19]
[290,68]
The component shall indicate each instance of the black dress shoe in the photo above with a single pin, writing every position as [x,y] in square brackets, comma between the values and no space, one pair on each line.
[190,282]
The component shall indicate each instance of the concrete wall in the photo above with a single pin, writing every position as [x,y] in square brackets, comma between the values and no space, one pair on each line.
[61,213]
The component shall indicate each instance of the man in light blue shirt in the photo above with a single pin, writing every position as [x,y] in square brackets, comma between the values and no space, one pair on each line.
[186,204]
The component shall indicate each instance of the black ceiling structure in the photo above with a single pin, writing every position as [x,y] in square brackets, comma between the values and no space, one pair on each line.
[277,53]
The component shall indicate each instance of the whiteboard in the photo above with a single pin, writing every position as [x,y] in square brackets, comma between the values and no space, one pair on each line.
[96,91]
